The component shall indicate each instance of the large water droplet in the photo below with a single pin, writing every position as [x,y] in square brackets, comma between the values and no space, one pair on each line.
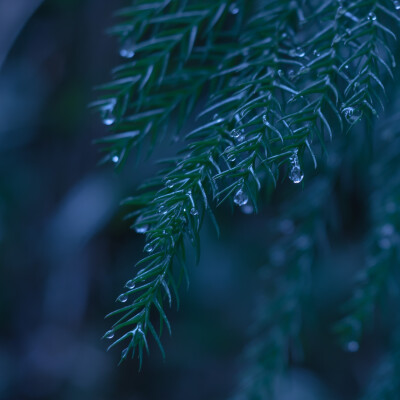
[194,212]
[115,159]
[130,284]
[241,198]
[127,47]
[296,174]
[396,4]
[109,334]
[371,16]
[122,298]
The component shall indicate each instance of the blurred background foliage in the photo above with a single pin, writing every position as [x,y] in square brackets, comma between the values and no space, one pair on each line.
[65,248]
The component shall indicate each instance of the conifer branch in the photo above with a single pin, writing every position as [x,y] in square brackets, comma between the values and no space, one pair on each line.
[175,46]
[263,116]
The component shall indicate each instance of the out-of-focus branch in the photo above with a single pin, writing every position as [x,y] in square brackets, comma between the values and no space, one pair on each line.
[13,17]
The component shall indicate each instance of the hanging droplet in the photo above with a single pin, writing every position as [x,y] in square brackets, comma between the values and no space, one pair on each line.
[235,133]
[241,198]
[247,209]
[231,158]
[396,4]
[352,346]
[351,114]
[130,284]
[141,229]
[234,9]
[194,212]
[148,248]
[109,334]
[115,159]
[169,184]
[296,174]
[297,52]
[265,120]
[316,53]
[122,298]
[127,47]
[371,16]
[108,115]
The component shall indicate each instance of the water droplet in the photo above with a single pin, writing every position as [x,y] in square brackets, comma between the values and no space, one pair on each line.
[109,334]
[284,35]
[108,114]
[148,248]
[169,184]
[115,159]
[265,120]
[297,52]
[316,53]
[231,157]
[234,9]
[215,117]
[130,284]
[127,47]
[247,209]
[352,346]
[371,16]
[280,73]
[396,4]
[122,298]
[235,133]
[346,67]
[351,114]
[194,212]
[241,198]
[296,174]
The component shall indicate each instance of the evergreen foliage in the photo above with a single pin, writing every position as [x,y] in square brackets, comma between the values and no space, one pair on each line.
[282,79]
